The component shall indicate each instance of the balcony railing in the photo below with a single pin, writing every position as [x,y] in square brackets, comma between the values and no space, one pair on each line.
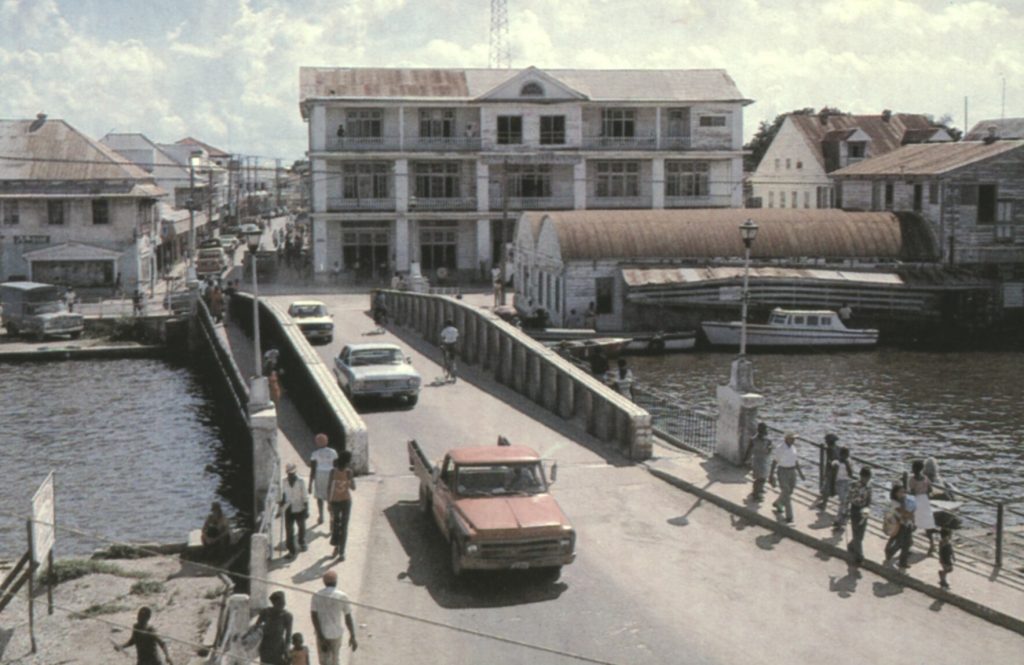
[619,202]
[534,203]
[443,203]
[707,201]
[620,143]
[676,143]
[340,204]
[442,143]
[362,143]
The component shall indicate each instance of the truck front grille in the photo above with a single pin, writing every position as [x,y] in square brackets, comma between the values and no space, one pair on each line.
[520,550]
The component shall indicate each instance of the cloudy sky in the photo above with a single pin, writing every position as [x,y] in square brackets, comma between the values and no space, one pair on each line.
[226,71]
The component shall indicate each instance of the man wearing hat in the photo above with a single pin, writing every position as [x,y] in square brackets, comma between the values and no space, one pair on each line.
[327,606]
[295,503]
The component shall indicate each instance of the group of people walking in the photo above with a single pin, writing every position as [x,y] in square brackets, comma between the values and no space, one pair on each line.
[910,506]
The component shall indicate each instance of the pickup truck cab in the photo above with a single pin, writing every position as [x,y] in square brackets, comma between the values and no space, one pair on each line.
[493,506]
[36,310]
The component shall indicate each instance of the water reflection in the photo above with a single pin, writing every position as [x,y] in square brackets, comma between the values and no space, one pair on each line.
[138,446]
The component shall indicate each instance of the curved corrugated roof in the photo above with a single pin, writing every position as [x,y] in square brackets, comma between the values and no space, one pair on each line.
[709,233]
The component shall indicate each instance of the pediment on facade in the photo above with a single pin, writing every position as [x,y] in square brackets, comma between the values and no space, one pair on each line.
[531,85]
[72,251]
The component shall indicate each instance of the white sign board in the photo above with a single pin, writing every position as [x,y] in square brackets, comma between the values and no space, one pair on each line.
[43,532]
[730,293]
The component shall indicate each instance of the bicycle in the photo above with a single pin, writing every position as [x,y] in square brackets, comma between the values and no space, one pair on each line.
[450,363]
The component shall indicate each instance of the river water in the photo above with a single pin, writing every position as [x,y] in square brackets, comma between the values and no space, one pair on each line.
[890,406]
[138,449]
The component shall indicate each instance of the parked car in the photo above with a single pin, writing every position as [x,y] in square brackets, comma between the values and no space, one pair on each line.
[228,242]
[211,261]
[245,229]
[377,370]
[313,320]
[37,310]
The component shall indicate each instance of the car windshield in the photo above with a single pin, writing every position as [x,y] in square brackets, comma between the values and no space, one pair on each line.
[301,311]
[45,308]
[375,357]
[501,479]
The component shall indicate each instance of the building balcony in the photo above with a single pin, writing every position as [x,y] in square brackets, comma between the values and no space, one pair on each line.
[341,204]
[419,203]
[362,143]
[442,144]
[620,143]
[676,143]
[706,201]
[599,202]
[533,203]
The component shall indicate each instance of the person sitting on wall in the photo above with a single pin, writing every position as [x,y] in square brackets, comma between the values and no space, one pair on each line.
[216,535]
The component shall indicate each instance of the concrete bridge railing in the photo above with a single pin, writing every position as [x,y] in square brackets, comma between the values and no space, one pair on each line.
[530,368]
[310,384]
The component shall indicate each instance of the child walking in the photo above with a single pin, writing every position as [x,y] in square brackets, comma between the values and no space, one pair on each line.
[299,653]
[946,556]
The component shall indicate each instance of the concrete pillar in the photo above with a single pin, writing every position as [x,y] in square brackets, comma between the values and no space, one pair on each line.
[483,243]
[483,338]
[566,390]
[320,249]
[459,316]
[658,183]
[737,412]
[238,616]
[584,403]
[318,128]
[519,369]
[579,185]
[533,377]
[602,419]
[259,558]
[319,192]
[401,185]
[483,188]
[494,349]
[549,386]
[401,243]
[469,339]
[507,361]
[266,460]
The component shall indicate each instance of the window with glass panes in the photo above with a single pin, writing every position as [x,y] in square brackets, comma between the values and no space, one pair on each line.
[55,213]
[678,123]
[618,179]
[437,123]
[618,123]
[365,180]
[100,211]
[437,180]
[438,245]
[552,129]
[510,129]
[9,212]
[686,178]
[529,180]
[364,123]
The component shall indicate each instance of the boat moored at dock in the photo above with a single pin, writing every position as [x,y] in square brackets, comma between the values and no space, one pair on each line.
[792,328]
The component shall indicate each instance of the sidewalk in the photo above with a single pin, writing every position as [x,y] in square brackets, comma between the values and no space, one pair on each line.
[997,596]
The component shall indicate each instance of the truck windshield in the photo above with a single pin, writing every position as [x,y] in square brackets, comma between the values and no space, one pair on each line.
[44,308]
[501,479]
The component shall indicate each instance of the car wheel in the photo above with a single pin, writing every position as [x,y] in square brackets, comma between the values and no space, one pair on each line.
[412,399]
[551,573]
[456,562]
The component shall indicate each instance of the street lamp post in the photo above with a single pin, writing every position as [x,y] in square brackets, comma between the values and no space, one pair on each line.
[748,231]
[192,213]
[252,239]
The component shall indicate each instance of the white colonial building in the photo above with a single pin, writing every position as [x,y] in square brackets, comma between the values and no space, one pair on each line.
[795,170]
[432,166]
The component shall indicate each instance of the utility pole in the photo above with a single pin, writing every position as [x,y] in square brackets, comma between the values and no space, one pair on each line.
[191,217]
[503,259]
[277,182]
[209,196]
[499,50]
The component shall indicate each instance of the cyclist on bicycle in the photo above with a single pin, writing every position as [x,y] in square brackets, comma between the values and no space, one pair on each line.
[449,338]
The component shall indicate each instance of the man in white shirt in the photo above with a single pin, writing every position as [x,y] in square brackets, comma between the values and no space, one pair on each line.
[785,459]
[327,606]
[321,461]
[294,503]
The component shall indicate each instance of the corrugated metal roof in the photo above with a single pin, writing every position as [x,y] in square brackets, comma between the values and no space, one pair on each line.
[711,233]
[469,84]
[640,277]
[885,135]
[1006,128]
[929,158]
[54,150]
[210,150]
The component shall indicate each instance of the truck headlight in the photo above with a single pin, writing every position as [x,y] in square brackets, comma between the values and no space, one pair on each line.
[472,548]
[565,543]
[413,382]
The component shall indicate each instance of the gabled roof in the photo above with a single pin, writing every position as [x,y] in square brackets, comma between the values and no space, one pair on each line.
[824,134]
[1006,128]
[214,153]
[53,150]
[72,251]
[929,158]
[643,235]
[465,85]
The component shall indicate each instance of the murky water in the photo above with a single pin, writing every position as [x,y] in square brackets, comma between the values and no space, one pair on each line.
[137,446]
[893,406]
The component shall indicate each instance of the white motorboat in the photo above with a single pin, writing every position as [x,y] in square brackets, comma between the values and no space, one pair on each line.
[792,328]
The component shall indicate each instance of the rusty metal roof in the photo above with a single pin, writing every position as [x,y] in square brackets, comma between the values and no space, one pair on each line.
[470,84]
[714,233]
[53,150]
[929,158]
[1005,128]
[641,277]
[886,135]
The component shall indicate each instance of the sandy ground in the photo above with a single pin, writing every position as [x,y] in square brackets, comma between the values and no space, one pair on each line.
[183,610]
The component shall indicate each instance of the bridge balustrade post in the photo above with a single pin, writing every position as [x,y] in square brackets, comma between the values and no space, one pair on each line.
[507,354]
[584,404]
[483,337]
[533,377]
[494,347]
[602,416]
[565,395]
[549,386]
[469,338]
[259,556]
[518,369]
[737,413]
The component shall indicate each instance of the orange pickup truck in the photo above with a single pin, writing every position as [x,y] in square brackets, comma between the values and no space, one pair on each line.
[493,506]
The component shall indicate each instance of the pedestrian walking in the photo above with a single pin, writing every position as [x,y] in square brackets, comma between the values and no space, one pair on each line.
[341,486]
[842,476]
[272,370]
[327,607]
[321,461]
[590,317]
[787,463]
[946,556]
[146,640]
[498,285]
[940,488]
[621,378]
[899,526]
[276,623]
[860,509]
[217,304]
[760,452]
[920,487]
[70,297]
[295,503]
[138,303]
[299,653]
[826,482]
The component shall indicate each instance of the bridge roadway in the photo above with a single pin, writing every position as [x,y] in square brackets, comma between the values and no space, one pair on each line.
[660,576]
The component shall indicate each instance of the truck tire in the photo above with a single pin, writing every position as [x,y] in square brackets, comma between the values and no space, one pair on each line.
[550,573]
[412,399]
[424,502]
[456,558]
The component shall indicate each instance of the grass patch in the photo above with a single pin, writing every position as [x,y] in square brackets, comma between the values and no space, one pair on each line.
[122,552]
[110,607]
[147,588]
[71,569]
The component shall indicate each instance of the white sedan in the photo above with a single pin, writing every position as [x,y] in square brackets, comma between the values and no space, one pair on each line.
[377,370]
[313,319]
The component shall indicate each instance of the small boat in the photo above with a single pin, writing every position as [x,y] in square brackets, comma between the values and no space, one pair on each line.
[661,342]
[584,348]
[791,328]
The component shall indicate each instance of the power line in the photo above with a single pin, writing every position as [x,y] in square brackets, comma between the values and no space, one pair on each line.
[292,588]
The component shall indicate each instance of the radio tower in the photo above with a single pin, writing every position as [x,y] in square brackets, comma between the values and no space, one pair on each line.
[499,54]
